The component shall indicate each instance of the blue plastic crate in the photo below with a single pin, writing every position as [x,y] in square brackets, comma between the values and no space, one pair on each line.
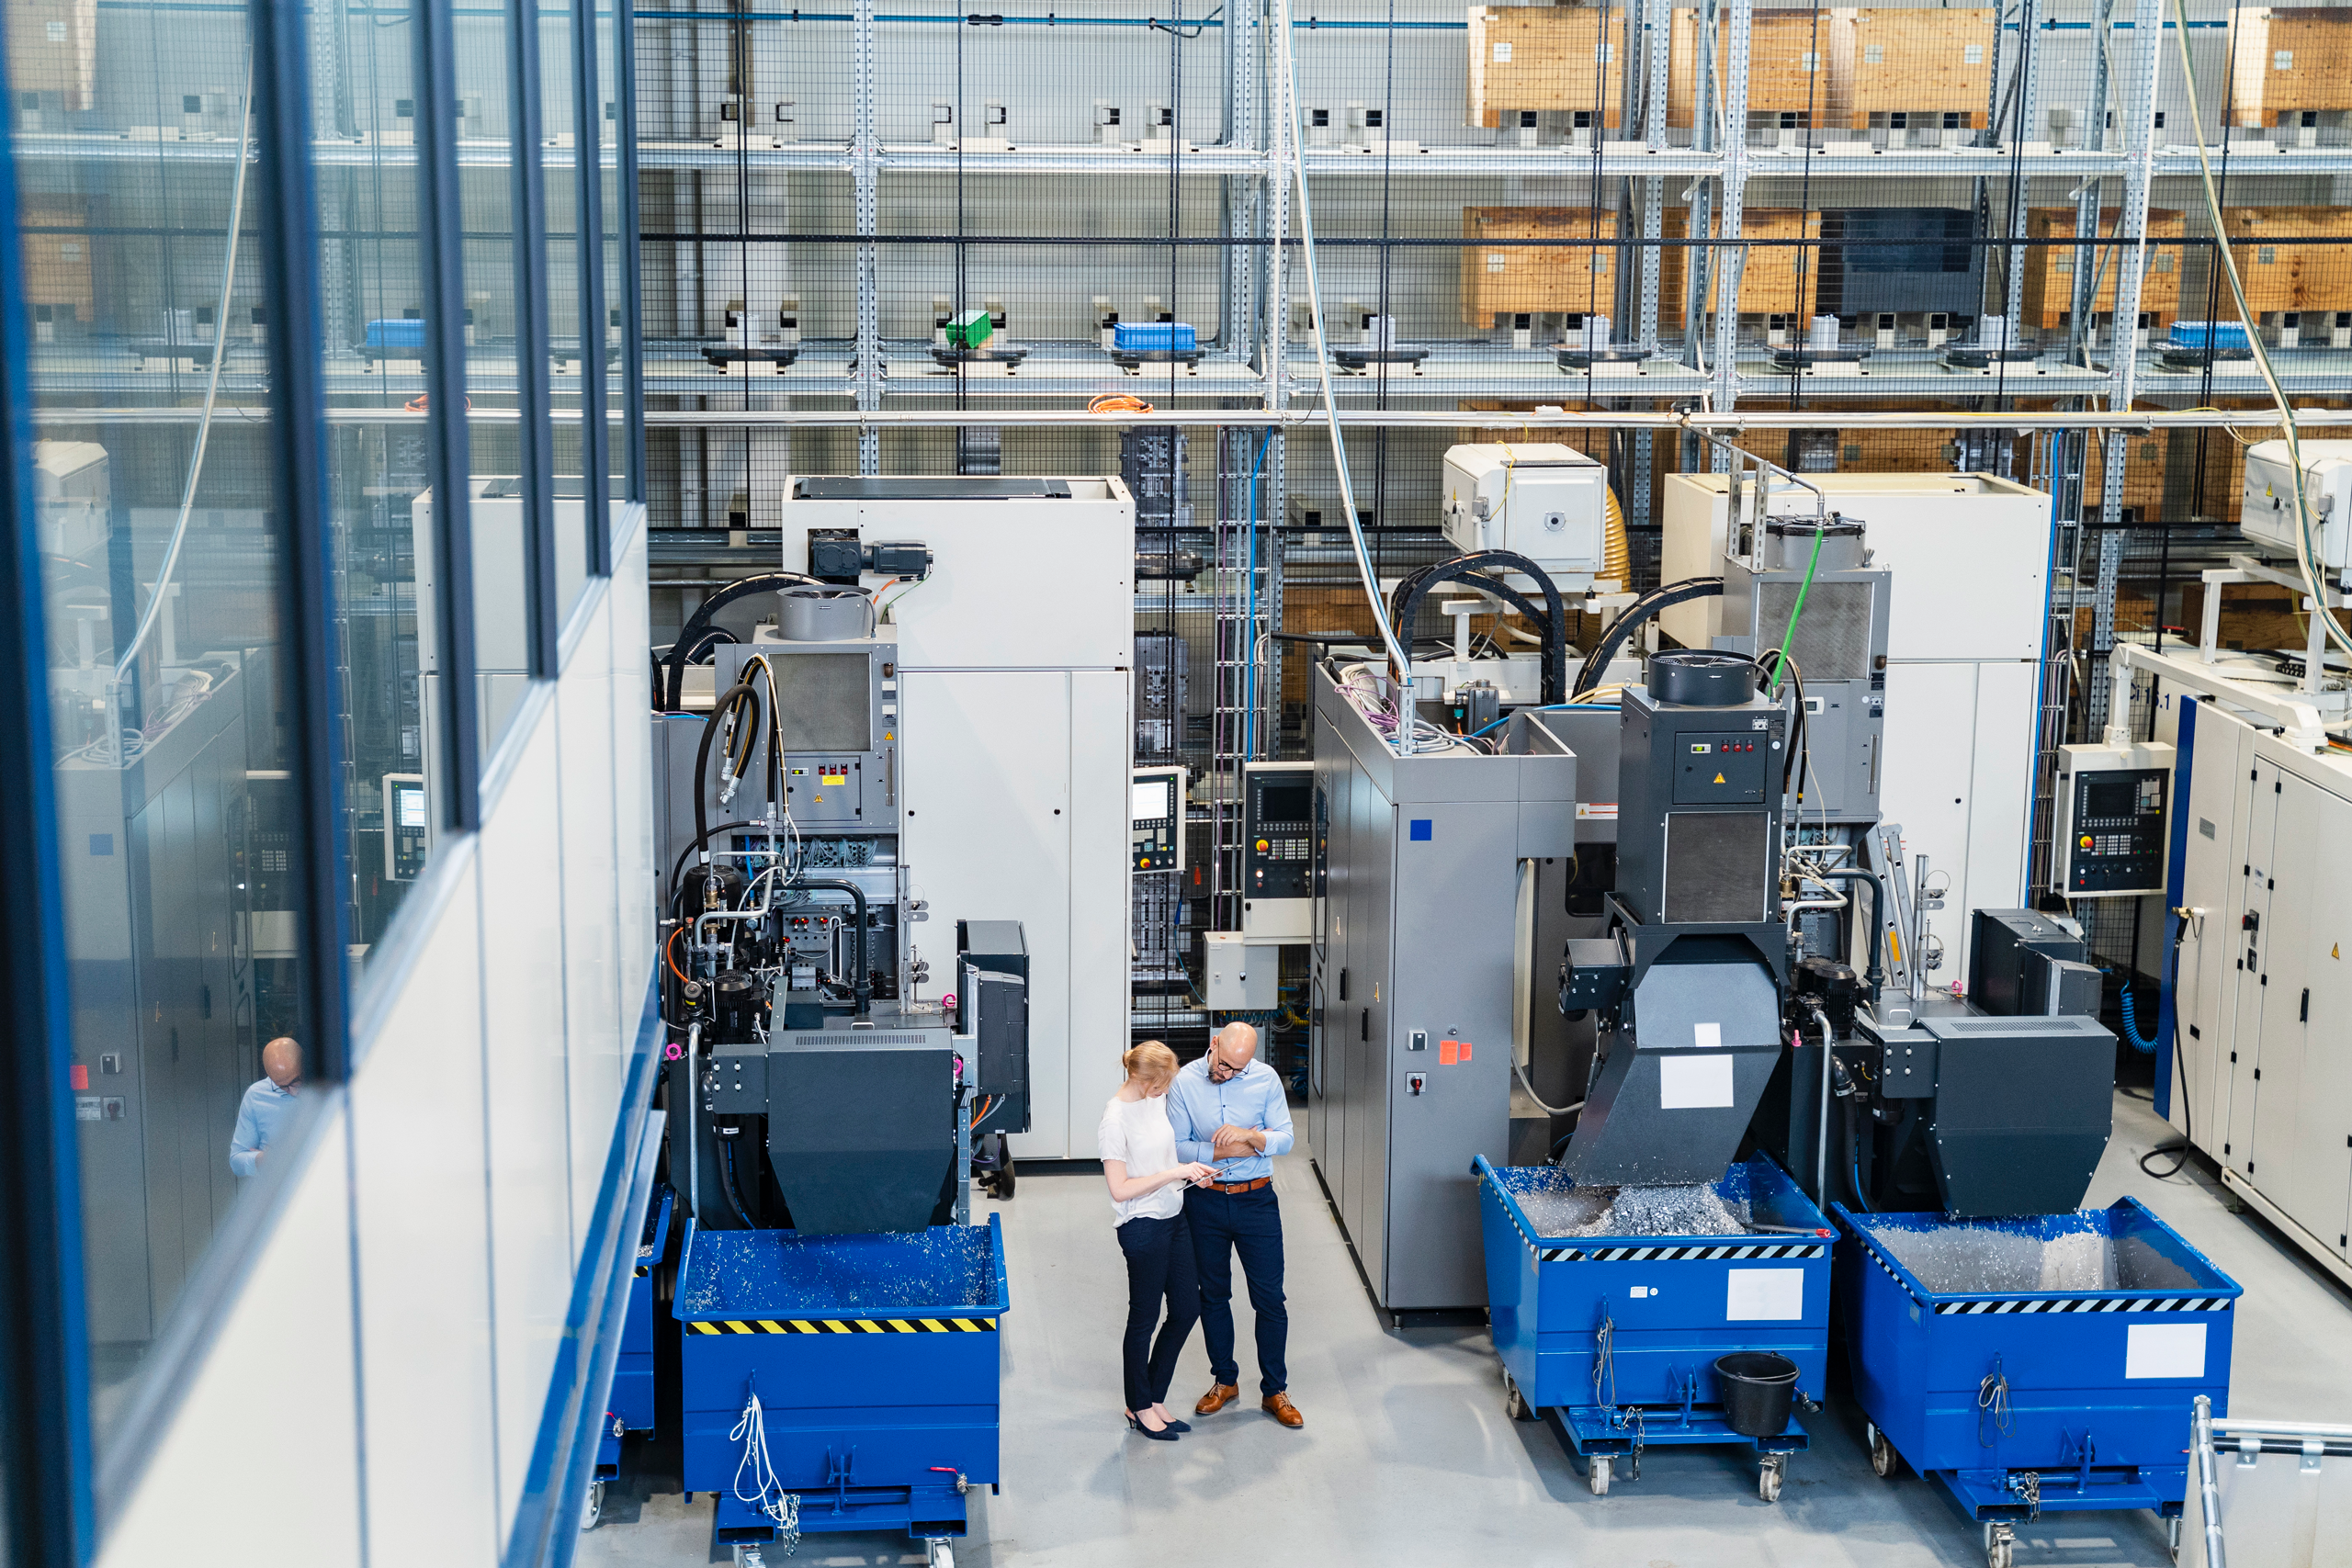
[407,333]
[1154,337]
[2221,335]
[2021,1399]
[876,1362]
[1665,1307]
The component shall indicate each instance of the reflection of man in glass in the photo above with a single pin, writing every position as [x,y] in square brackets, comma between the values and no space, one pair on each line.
[267,1103]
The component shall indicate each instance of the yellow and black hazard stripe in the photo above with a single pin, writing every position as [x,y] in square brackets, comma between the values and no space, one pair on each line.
[845,1325]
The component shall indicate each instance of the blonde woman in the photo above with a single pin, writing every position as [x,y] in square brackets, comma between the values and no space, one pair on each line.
[1147,1181]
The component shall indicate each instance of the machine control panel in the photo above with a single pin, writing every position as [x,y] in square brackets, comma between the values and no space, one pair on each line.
[822,790]
[1280,850]
[406,826]
[1157,823]
[1726,768]
[2111,824]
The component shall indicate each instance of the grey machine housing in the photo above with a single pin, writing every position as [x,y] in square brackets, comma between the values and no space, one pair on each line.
[2017,1088]
[863,1117]
[1420,972]
[1838,649]
[1687,983]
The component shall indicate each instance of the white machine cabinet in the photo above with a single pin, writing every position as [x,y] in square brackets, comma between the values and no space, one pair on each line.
[1018,708]
[1544,501]
[2266,509]
[1968,622]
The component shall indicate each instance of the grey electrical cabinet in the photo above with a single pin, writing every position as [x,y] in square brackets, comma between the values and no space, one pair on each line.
[1417,980]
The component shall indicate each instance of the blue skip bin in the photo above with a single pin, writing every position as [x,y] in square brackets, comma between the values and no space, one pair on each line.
[1615,1337]
[2039,1365]
[629,1407]
[873,1362]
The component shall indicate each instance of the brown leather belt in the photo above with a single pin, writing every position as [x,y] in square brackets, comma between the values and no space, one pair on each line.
[1241,1186]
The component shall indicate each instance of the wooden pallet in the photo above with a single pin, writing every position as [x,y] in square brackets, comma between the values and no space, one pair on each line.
[2292,258]
[1785,55]
[2049,291]
[1545,57]
[1501,278]
[1776,280]
[2286,61]
[1910,62]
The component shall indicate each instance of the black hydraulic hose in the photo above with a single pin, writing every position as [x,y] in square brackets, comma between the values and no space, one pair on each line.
[862,986]
[727,1183]
[1877,976]
[1854,1153]
[702,753]
[1470,568]
[672,696]
[1626,625]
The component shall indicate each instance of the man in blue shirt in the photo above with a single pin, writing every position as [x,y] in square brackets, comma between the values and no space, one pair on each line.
[267,1103]
[1231,1111]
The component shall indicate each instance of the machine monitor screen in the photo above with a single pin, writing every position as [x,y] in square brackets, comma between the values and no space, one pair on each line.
[411,805]
[1285,803]
[2118,798]
[1152,800]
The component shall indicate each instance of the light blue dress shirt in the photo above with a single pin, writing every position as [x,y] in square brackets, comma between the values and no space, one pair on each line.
[264,1108]
[1252,1097]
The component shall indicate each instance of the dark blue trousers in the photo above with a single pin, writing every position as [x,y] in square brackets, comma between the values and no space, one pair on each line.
[1251,1225]
[1160,1264]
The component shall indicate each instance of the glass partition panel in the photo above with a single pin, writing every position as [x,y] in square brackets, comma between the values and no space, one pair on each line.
[571,352]
[487,121]
[166,564]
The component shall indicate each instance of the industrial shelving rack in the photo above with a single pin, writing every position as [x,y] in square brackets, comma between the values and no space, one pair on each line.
[2080,107]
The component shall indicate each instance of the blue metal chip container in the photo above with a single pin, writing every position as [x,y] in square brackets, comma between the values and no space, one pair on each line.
[1615,1337]
[875,1363]
[2035,1365]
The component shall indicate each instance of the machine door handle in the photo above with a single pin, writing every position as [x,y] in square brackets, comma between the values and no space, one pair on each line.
[1343,985]
[1363,1025]
[2306,1016]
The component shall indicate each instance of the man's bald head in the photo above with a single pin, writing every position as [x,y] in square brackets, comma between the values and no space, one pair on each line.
[1234,1047]
[281,1059]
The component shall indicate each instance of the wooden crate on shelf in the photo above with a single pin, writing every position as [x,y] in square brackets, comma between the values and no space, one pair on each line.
[53,48]
[1502,278]
[1785,50]
[1544,57]
[2292,258]
[1776,280]
[2050,269]
[1910,61]
[2286,61]
[57,254]
[2144,462]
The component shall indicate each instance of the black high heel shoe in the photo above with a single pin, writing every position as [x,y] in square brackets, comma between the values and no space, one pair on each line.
[1165,1435]
[1176,1426]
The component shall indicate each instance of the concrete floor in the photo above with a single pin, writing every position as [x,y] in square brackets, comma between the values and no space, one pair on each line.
[1409,1458]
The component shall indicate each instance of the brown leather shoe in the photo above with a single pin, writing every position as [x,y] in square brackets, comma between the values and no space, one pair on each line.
[1219,1395]
[1279,1406]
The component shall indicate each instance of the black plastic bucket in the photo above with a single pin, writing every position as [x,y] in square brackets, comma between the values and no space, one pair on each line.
[1759,1389]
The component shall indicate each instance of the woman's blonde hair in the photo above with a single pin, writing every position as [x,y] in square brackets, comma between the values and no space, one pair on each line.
[1152,1062]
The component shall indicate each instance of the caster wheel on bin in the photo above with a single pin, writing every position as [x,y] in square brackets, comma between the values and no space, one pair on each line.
[2000,1545]
[748,1557]
[2172,1534]
[942,1554]
[1597,1474]
[1515,1402]
[1768,1478]
[593,1510]
[1884,1458]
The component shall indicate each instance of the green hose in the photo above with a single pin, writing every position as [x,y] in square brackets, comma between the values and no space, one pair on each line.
[1790,635]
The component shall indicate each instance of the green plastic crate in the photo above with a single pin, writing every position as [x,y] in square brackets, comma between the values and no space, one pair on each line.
[970,330]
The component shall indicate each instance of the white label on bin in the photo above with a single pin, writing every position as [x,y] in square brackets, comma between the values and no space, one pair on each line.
[1707,1037]
[1692,1082]
[2164,1350]
[1774,1294]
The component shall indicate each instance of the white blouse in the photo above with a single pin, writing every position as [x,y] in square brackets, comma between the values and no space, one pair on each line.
[1137,1132]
